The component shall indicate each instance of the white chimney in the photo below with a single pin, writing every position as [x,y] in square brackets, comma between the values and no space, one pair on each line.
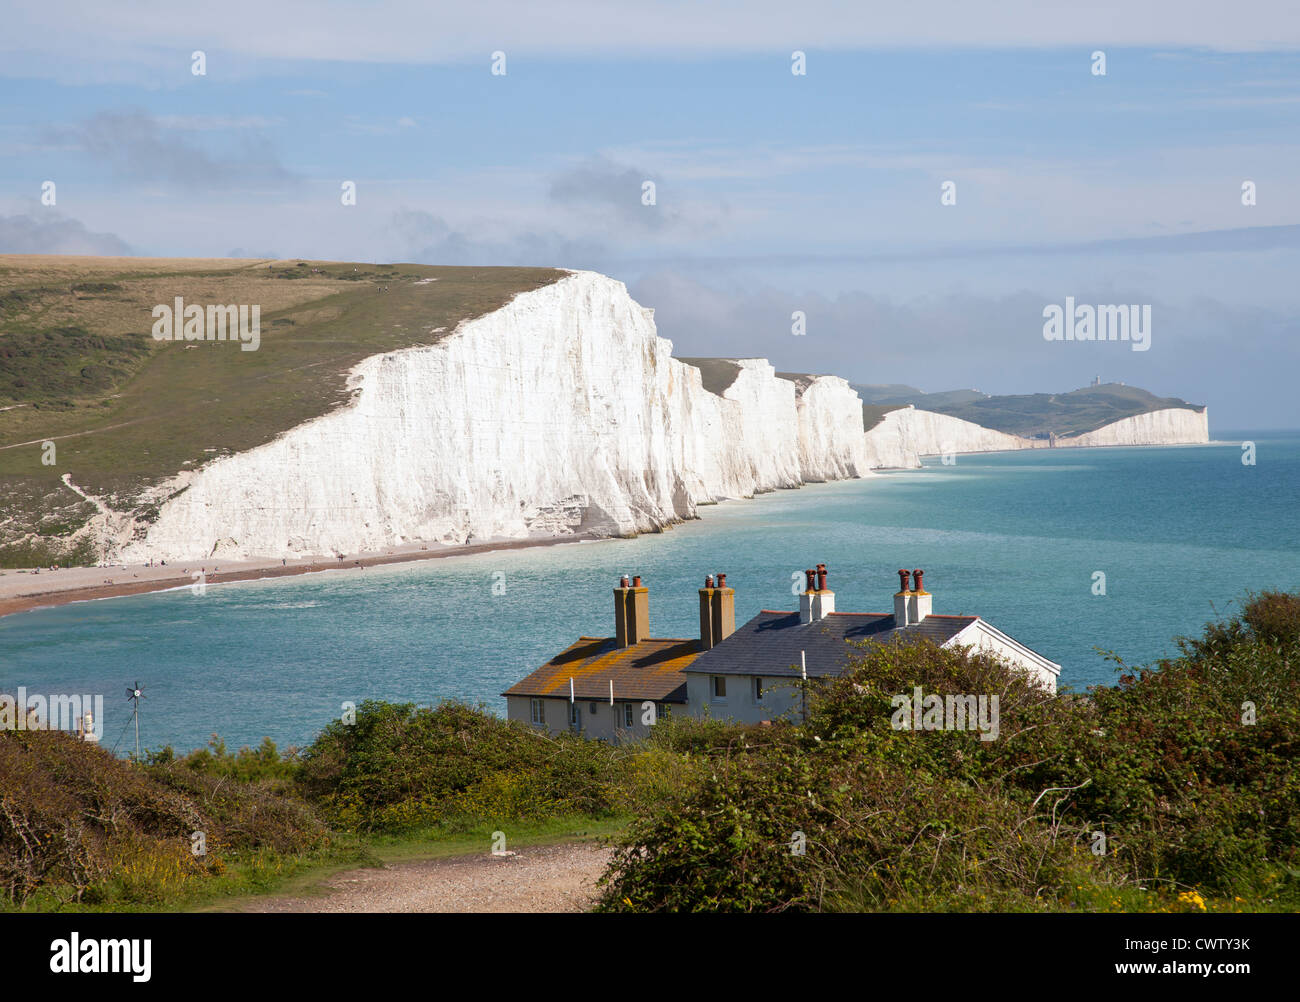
[911,605]
[900,600]
[920,603]
[817,601]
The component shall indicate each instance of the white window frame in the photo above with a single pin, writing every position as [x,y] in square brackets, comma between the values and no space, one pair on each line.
[629,716]
[537,710]
[718,682]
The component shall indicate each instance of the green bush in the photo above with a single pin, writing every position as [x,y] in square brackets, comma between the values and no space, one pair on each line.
[1274,617]
[400,766]
[1189,789]
[79,824]
[246,765]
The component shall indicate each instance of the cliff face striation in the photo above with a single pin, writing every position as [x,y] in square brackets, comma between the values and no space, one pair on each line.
[561,413]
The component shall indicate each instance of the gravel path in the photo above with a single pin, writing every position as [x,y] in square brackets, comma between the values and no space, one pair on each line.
[551,878]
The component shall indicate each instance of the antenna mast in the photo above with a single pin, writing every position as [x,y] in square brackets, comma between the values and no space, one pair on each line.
[135,695]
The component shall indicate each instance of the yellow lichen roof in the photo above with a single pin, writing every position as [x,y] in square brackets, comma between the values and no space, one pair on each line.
[651,669]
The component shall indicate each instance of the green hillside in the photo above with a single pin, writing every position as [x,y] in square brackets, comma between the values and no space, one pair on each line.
[1037,415]
[880,393]
[717,374]
[944,398]
[79,368]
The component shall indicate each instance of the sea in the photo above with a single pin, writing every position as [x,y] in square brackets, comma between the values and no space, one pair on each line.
[1084,555]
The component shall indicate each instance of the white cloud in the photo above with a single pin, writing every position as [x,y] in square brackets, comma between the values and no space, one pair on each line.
[45,231]
[142,148]
[212,123]
[82,40]
[377,127]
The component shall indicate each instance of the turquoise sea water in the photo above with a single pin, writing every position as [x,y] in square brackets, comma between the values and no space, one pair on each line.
[1015,538]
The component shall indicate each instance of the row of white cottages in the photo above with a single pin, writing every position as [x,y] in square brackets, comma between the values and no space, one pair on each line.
[600,686]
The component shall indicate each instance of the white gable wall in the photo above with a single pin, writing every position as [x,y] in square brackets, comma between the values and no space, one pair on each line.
[987,639]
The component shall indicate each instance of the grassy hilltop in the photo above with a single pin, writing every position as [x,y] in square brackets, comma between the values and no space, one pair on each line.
[79,367]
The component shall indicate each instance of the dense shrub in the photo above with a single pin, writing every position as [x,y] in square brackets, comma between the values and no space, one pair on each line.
[81,823]
[263,763]
[1188,768]
[846,812]
[1274,617]
[1197,772]
[400,766]
[47,365]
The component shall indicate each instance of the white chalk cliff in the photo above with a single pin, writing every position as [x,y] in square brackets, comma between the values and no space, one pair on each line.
[1172,426]
[562,412]
[903,436]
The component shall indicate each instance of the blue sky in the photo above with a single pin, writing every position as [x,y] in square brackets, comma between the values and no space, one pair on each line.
[775,192]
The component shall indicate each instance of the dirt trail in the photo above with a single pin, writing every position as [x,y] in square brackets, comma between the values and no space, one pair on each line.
[550,878]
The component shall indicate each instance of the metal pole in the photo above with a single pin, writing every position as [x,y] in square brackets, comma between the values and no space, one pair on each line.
[803,672]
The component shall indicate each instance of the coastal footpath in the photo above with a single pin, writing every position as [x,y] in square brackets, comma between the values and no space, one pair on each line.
[562,413]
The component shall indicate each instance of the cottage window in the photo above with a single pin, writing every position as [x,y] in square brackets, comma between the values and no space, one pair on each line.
[663,710]
[627,714]
[719,687]
[758,689]
[537,711]
[575,715]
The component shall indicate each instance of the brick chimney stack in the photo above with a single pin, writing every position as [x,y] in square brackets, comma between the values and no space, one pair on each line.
[631,612]
[717,611]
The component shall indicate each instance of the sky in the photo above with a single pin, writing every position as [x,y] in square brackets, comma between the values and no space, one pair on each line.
[775,192]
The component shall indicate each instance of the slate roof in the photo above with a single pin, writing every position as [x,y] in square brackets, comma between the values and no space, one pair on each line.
[651,669]
[769,644]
